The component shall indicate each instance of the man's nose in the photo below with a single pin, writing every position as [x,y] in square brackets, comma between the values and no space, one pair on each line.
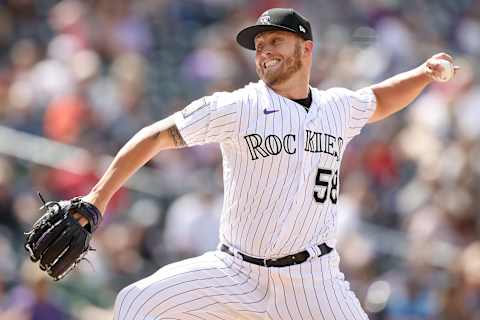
[266,52]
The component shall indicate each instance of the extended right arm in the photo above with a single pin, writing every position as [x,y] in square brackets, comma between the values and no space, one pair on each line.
[399,91]
[142,147]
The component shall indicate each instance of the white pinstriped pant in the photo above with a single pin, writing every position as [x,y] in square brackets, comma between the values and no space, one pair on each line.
[219,286]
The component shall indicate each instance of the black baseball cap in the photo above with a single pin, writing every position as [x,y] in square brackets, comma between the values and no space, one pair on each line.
[285,19]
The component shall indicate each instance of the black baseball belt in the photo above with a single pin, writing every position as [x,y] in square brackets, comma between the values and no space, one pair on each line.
[286,261]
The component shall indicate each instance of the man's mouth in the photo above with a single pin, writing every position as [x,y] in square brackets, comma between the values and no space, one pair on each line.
[270,63]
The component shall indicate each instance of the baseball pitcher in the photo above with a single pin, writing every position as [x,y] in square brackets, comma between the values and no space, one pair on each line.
[282,142]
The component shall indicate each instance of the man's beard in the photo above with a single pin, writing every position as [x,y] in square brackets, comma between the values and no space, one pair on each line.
[289,67]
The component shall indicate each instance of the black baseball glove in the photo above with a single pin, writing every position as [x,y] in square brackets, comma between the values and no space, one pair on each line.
[57,239]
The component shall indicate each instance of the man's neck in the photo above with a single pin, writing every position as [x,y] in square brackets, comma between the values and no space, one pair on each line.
[294,88]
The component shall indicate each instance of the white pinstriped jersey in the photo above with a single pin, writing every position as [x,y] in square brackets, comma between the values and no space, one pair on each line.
[280,162]
[281,187]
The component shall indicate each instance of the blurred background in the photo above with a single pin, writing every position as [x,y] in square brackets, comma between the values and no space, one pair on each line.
[79,78]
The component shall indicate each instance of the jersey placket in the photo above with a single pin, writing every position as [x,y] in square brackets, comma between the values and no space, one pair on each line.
[307,118]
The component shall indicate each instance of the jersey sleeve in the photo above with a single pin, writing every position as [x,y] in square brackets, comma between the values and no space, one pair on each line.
[358,107]
[209,119]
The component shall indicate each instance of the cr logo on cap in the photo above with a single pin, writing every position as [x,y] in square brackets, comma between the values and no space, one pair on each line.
[264,20]
[302,28]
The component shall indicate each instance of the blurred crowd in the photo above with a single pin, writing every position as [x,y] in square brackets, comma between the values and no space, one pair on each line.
[92,73]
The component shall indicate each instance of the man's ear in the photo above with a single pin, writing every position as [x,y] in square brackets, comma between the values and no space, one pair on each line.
[308,47]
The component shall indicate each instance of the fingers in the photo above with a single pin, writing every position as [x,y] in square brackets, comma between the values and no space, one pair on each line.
[440,67]
[429,70]
[433,66]
[444,56]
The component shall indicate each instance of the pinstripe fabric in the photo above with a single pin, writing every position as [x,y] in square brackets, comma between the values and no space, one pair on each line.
[218,286]
[281,166]
[270,162]
[211,286]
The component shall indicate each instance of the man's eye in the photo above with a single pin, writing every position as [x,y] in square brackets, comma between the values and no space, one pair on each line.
[277,41]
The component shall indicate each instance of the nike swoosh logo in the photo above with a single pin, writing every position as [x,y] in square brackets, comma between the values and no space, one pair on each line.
[265,111]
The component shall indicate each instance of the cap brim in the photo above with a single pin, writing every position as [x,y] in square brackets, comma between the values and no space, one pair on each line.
[246,37]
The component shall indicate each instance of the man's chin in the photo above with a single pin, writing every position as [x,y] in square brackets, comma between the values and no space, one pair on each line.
[272,81]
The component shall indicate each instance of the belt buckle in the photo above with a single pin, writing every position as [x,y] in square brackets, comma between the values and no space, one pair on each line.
[265,262]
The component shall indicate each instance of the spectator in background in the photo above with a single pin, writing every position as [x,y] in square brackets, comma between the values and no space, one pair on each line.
[192,225]
[33,300]
[461,295]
